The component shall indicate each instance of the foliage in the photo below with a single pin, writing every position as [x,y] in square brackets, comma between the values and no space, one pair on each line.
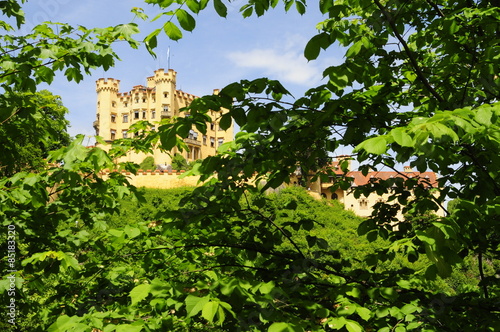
[148,163]
[21,145]
[419,85]
[179,162]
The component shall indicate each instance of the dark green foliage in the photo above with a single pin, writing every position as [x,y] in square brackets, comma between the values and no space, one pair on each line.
[418,85]
[179,162]
[36,126]
[148,164]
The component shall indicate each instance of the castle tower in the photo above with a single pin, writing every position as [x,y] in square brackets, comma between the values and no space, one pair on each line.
[157,101]
[164,84]
[106,117]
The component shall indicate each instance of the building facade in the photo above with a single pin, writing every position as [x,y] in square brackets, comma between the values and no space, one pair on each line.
[363,205]
[160,99]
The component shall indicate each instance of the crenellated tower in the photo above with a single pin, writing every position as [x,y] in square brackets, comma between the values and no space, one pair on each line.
[107,101]
[158,101]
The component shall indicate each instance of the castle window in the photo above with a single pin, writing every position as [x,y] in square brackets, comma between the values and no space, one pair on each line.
[212,126]
[212,142]
[143,114]
[153,114]
[335,196]
[137,100]
[113,104]
[136,115]
[363,204]
[165,94]
[113,118]
[125,104]
[124,134]
[143,100]
[165,108]
[220,141]
[204,139]
[125,118]
[113,134]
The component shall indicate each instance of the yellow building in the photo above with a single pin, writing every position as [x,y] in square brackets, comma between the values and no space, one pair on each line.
[160,99]
[363,206]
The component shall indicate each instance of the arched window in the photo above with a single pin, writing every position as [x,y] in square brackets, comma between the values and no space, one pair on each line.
[335,196]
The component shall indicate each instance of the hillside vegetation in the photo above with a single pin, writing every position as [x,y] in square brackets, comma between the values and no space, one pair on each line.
[144,262]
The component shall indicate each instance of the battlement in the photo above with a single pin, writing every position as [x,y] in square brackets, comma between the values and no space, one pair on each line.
[107,84]
[145,172]
[185,95]
[157,178]
[162,76]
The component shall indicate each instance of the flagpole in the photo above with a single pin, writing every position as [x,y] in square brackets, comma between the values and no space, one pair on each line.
[168,58]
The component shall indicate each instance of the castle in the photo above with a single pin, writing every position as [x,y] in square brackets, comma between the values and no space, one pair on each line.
[117,111]
[363,206]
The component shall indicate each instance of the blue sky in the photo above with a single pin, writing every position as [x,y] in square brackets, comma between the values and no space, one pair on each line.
[219,51]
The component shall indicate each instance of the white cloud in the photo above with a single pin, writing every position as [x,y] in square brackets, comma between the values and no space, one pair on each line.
[287,65]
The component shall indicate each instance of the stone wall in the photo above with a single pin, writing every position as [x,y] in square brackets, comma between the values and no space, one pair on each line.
[158,179]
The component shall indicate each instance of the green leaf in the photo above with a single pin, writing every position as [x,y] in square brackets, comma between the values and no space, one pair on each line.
[139,293]
[354,49]
[67,323]
[185,19]
[284,327]
[194,6]
[220,8]
[225,121]
[353,326]
[364,313]
[209,310]
[374,145]
[484,115]
[172,31]
[266,288]
[195,304]
[401,137]
[301,7]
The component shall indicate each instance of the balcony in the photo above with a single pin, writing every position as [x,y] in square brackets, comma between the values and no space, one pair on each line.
[166,114]
[192,141]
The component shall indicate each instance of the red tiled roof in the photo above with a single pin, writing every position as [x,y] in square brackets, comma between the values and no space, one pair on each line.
[427,178]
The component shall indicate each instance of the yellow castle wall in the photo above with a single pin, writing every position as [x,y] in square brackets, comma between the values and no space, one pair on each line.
[159,180]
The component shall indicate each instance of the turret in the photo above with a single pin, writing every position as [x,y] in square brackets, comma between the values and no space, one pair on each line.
[107,98]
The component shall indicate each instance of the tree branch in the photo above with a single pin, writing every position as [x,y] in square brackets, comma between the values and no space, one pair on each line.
[409,53]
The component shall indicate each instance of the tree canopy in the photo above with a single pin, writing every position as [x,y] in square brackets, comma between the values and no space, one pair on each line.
[418,85]
[21,145]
